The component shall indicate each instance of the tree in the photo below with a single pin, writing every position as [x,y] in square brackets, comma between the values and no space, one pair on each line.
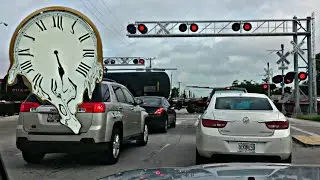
[174,92]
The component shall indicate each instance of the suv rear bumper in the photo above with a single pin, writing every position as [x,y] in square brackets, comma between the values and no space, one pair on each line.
[86,145]
[90,141]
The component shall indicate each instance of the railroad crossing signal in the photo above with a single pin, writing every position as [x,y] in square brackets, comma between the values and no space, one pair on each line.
[277,79]
[283,58]
[283,67]
[268,72]
[297,48]
[123,61]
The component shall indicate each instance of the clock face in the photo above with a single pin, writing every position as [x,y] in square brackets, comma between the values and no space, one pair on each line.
[59,40]
[57,52]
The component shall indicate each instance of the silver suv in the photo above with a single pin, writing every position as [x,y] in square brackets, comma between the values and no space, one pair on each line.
[110,117]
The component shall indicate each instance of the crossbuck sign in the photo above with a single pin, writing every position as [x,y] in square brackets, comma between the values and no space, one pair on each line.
[297,48]
[283,58]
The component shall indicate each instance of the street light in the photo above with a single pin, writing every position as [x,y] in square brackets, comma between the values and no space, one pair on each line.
[5,24]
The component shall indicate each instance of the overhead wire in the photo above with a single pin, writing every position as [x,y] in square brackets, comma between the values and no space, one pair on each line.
[115,30]
[113,14]
[102,22]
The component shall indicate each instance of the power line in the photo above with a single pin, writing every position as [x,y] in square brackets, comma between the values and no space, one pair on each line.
[123,27]
[115,30]
[101,21]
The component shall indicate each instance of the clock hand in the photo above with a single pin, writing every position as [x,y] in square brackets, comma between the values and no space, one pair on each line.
[60,68]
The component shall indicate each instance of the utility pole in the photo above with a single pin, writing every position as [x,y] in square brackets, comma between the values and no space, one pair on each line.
[171,82]
[282,83]
[179,88]
[268,75]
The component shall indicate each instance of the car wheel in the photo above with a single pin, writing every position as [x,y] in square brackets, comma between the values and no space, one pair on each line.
[288,160]
[165,127]
[112,153]
[174,122]
[33,157]
[200,159]
[143,139]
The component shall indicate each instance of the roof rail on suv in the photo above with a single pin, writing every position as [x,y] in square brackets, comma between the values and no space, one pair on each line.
[109,80]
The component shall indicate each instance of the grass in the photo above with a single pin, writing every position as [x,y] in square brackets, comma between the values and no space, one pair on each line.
[310,117]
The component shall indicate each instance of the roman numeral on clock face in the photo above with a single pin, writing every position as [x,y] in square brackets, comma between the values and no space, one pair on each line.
[41,25]
[84,37]
[57,22]
[83,69]
[26,66]
[25,52]
[88,53]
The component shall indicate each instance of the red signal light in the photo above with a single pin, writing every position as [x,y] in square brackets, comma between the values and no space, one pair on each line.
[302,76]
[194,27]
[141,61]
[247,26]
[265,86]
[142,28]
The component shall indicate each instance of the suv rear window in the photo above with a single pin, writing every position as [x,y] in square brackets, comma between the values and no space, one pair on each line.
[242,103]
[100,94]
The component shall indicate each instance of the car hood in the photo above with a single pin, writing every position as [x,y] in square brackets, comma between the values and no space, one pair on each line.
[224,171]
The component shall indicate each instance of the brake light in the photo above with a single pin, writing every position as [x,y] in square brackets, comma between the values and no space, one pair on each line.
[278,124]
[27,106]
[213,123]
[92,107]
[159,111]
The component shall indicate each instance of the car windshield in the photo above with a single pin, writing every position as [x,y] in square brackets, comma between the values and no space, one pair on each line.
[151,101]
[242,103]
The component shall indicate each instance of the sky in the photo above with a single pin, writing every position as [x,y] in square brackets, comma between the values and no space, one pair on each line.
[200,61]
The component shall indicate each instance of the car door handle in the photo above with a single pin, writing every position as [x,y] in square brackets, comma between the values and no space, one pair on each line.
[132,108]
[120,107]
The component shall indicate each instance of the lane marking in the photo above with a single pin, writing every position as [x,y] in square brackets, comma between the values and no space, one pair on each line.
[303,131]
[164,147]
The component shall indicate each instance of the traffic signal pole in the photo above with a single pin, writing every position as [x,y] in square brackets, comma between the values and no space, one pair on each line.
[268,79]
[297,109]
[282,84]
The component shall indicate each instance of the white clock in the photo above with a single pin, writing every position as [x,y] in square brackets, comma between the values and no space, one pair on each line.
[59,51]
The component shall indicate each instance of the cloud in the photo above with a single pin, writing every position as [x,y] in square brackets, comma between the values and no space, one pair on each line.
[200,61]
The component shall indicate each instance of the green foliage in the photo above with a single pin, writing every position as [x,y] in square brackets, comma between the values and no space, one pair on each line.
[174,92]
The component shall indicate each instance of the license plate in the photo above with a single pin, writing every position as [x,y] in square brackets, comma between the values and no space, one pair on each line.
[246,147]
[53,118]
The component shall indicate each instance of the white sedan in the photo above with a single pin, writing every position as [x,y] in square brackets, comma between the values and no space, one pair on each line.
[242,124]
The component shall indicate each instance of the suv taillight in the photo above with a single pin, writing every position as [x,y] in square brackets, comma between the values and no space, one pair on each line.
[213,123]
[159,111]
[278,124]
[92,107]
[27,106]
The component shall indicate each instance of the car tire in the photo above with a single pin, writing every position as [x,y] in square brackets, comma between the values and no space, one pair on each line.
[288,160]
[173,125]
[200,159]
[144,137]
[165,127]
[32,157]
[116,142]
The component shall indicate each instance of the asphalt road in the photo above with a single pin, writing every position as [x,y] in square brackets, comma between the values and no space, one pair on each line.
[173,149]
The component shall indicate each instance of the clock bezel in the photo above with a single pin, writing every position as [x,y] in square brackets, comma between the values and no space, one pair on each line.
[44,10]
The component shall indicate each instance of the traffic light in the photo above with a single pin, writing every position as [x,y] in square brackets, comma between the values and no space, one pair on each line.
[247,26]
[108,61]
[237,26]
[131,29]
[277,79]
[302,76]
[288,78]
[194,27]
[265,86]
[183,27]
[272,87]
[140,61]
[142,28]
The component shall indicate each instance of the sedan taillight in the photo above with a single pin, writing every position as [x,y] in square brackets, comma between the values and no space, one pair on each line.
[278,124]
[213,123]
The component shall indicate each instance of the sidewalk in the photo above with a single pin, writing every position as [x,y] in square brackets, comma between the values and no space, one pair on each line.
[310,139]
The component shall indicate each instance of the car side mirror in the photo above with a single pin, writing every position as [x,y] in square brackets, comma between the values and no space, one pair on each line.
[139,102]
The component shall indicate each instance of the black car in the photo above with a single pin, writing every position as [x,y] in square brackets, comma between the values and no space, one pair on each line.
[161,113]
